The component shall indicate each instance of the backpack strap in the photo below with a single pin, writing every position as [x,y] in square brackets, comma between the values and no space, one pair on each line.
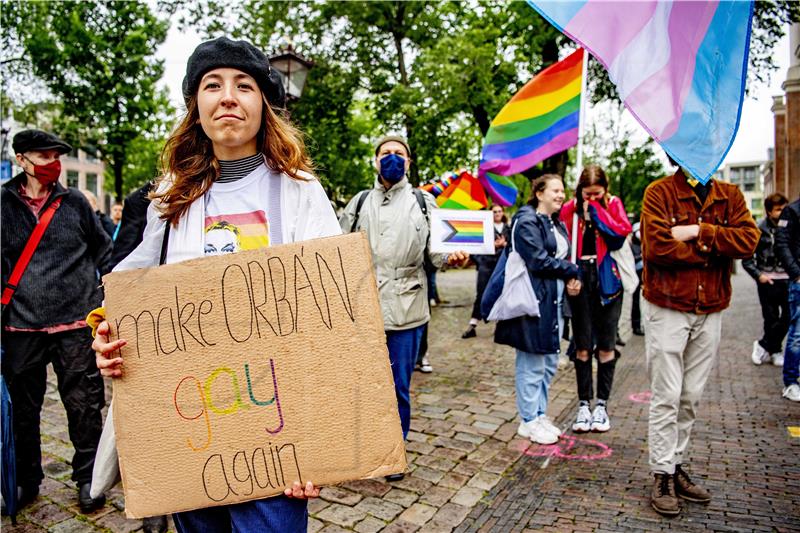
[421,201]
[28,251]
[164,244]
[362,197]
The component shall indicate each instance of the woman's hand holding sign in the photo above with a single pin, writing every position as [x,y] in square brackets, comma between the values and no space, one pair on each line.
[109,367]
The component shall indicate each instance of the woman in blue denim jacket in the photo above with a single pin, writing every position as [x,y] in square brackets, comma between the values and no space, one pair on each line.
[541,240]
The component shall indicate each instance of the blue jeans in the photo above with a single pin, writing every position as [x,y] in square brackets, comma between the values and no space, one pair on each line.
[403,349]
[791,358]
[270,515]
[534,374]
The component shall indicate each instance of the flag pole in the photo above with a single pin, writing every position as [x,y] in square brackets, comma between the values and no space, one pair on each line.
[579,157]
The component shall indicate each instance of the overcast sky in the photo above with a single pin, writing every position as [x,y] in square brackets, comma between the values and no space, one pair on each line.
[755,135]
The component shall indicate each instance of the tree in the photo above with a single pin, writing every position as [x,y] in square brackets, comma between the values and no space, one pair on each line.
[96,60]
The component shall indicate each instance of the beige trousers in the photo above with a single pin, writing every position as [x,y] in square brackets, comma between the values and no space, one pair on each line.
[681,349]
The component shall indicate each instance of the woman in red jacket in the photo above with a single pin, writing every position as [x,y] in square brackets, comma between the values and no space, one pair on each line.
[597,224]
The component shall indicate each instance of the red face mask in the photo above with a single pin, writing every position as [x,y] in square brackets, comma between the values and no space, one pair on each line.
[47,174]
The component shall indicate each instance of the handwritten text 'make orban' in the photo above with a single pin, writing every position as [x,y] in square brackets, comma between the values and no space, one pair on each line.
[273,290]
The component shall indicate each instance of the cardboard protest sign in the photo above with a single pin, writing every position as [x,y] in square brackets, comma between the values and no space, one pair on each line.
[248,371]
[454,230]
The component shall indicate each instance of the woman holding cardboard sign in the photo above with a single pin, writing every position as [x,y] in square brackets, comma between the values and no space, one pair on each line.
[237,177]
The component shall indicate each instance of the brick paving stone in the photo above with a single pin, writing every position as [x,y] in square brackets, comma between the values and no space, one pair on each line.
[46,514]
[451,514]
[439,463]
[470,437]
[413,484]
[333,528]
[385,510]
[428,474]
[418,514]
[400,526]
[117,522]
[453,443]
[315,505]
[453,480]
[437,496]
[420,447]
[370,525]
[340,495]
[401,497]
[413,436]
[449,453]
[467,496]
[484,480]
[342,515]
[314,525]
[468,468]
[368,487]
[73,525]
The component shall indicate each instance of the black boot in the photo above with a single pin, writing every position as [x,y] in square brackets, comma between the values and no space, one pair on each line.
[85,500]
[583,375]
[605,378]
[154,524]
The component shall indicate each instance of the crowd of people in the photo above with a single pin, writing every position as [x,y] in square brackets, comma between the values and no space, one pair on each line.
[236,153]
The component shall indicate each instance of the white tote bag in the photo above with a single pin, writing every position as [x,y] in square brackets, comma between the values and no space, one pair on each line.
[626,266]
[106,462]
[517,298]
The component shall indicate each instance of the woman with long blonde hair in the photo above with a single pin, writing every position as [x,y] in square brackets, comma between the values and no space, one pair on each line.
[233,160]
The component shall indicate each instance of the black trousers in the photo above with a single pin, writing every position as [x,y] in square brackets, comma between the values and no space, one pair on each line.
[25,360]
[484,273]
[775,310]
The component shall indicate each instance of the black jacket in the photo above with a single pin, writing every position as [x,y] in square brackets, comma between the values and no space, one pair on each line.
[132,224]
[61,282]
[765,259]
[535,241]
[787,240]
[107,224]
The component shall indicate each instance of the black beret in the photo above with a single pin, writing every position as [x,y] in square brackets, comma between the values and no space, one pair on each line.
[37,140]
[225,53]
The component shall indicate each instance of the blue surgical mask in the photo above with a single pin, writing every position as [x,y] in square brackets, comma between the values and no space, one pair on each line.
[393,167]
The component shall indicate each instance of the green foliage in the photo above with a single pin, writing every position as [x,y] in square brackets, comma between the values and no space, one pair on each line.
[630,169]
[96,60]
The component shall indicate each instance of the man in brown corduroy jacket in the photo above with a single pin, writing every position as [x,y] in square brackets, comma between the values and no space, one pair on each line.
[691,234]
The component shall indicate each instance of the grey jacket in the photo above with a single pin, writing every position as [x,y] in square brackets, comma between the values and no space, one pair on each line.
[398,236]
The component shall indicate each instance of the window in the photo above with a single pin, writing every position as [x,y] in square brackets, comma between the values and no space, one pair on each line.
[72,178]
[756,204]
[91,182]
[749,187]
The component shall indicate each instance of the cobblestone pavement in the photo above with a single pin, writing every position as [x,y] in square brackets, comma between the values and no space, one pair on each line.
[470,472]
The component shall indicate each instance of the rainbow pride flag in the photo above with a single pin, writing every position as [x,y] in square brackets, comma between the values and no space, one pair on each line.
[464,231]
[465,192]
[539,121]
[679,67]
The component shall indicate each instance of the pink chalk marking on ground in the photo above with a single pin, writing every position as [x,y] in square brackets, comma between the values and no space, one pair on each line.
[564,449]
[641,397]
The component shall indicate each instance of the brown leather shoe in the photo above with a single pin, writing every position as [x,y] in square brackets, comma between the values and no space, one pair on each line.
[688,490]
[663,498]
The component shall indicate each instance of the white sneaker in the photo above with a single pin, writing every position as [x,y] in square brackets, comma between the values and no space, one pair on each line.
[777,359]
[425,365]
[600,421]
[792,392]
[759,355]
[547,424]
[535,431]
[583,422]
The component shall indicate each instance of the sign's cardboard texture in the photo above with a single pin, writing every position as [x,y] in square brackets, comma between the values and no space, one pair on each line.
[246,372]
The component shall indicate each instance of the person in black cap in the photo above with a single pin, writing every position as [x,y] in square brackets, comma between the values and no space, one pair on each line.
[232,158]
[43,322]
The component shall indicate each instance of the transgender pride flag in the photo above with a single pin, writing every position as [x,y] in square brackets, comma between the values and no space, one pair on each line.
[679,67]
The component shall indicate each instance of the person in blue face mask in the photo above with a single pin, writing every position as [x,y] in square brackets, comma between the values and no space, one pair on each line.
[396,218]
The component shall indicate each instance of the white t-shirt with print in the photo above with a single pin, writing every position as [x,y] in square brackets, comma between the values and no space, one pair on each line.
[237,214]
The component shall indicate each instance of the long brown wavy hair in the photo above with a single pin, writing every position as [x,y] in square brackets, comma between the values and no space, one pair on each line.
[190,166]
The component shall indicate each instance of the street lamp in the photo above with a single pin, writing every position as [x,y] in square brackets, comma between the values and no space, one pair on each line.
[294,69]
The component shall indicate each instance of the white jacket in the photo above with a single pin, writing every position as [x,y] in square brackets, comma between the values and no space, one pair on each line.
[306,213]
[398,235]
